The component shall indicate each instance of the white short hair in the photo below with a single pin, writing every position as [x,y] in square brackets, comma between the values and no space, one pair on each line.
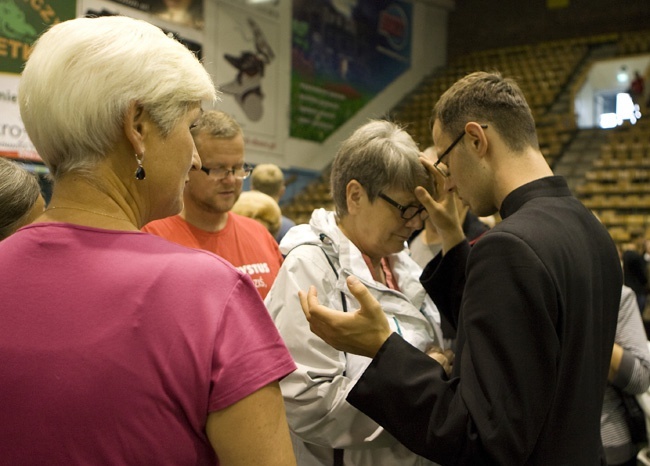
[380,155]
[82,75]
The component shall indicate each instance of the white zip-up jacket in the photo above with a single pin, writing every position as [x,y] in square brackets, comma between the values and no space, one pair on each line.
[320,418]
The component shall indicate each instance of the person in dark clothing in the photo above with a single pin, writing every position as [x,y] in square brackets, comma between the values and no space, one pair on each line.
[535,301]
[635,269]
[637,88]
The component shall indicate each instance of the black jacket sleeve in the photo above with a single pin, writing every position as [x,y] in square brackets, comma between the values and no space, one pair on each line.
[494,412]
[444,280]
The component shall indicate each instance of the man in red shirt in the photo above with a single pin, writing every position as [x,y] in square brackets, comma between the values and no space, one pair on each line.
[206,221]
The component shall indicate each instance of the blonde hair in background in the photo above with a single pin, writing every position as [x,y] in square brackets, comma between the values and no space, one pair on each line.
[260,207]
[83,74]
[269,179]
[19,190]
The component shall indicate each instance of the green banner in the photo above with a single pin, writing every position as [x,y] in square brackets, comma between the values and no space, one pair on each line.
[21,22]
[344,53]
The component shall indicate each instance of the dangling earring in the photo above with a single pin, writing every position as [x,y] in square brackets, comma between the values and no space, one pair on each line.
[139,173]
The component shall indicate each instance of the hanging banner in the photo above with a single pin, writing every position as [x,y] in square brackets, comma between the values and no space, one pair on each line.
[181,32]
[186,13]
[247,44]
[14,141]
[21,22]
[343,54]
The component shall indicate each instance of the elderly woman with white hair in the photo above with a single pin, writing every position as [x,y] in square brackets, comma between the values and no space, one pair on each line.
[373,179]
[119,347]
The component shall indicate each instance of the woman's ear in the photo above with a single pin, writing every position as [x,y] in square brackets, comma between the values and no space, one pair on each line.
[135,126]
[354,194]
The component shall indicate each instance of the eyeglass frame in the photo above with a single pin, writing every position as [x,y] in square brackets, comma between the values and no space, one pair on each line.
[402,208]
[248,169]
[449,149]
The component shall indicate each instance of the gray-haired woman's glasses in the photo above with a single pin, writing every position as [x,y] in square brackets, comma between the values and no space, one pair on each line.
[220,173]
[409,211]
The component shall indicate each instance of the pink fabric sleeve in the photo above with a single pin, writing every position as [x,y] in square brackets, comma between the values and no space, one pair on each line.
[248,352]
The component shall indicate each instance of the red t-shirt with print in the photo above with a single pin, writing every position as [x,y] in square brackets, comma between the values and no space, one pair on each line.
[244,242]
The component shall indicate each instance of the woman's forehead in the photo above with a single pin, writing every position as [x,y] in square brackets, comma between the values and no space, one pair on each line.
[401,195]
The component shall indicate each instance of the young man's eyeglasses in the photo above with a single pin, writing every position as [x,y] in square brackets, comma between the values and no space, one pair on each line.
[441,167]
[220,173]
[409,211]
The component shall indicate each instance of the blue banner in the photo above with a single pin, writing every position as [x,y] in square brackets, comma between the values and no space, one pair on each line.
[343,54]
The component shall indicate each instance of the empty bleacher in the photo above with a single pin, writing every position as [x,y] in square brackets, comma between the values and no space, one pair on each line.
[611,175]
[617,187]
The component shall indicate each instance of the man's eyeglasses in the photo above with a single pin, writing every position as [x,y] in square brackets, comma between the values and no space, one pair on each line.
[408,212]
[441,167]
[220,173]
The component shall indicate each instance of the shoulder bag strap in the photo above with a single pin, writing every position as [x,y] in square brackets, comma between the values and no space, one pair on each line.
[338,452]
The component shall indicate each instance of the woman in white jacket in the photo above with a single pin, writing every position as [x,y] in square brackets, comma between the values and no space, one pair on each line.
[373,179]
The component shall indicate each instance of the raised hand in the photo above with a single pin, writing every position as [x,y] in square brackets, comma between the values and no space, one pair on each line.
[361,332]
[443,211]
